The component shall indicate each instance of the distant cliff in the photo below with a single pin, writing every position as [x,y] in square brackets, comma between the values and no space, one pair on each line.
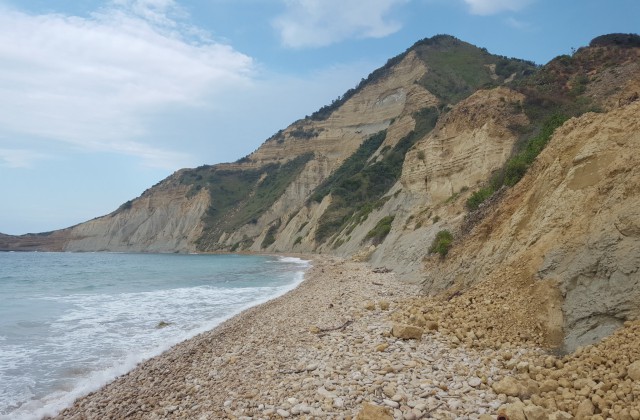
[444,137]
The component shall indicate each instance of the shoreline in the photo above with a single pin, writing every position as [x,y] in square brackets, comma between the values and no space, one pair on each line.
[302,349]
[333,348]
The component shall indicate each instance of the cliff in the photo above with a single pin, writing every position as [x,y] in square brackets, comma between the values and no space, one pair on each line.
[531,171]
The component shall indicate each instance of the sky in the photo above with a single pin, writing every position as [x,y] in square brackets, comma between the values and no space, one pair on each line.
[100,100]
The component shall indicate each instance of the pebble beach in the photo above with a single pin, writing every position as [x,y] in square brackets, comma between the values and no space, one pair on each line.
[353,342]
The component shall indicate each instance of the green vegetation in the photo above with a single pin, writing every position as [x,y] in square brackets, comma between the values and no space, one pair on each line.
[304,133]
[270,237]
[515,168]
[350,167]
[618,40]
[380,231]
[441,243]
[358,186]
[126,205]
[456,70]
[297,241]
[240,196]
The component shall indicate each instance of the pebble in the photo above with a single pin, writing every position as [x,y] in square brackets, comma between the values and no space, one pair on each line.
[270,361]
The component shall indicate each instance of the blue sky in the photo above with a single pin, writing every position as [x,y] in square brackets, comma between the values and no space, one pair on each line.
[99,100]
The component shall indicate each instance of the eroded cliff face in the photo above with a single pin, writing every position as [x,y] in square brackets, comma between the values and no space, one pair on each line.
[165,219]
[571,225]
[466,146]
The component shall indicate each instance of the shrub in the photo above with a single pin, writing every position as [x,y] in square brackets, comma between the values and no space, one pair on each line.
[297,241]
[381,230]
[516,167]
[270,237]
[441,243]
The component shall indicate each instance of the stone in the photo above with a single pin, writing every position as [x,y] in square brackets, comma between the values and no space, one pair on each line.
[548,385]
[390,403]
[326,394]
[283,413]
[514,411]
[382,346]
[508,386]
[633,371]
[585,410]
[374,412]
[407,332]
[535,412]
[431,326]
[560,415]
[389,391]
[474,381]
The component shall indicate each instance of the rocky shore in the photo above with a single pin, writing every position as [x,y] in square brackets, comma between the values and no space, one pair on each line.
[350,342]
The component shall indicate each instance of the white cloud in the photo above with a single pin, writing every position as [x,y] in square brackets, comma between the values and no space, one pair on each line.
[20,158]
[517,24]
[490,7]
[317,23]
[93,83]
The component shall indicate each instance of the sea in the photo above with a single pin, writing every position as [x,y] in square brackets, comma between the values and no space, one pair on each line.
[72,322]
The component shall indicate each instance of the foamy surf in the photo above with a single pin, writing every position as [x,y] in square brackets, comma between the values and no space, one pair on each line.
[101,332]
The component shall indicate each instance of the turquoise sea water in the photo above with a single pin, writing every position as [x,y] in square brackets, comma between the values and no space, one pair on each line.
[71,322]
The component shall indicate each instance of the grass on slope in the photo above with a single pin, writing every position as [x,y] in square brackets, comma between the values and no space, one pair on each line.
[240,196]
[357,187]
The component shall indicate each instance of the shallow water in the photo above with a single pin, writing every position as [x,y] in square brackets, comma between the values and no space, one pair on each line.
[71,322]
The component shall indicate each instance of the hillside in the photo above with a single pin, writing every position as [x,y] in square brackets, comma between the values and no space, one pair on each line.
[444,137]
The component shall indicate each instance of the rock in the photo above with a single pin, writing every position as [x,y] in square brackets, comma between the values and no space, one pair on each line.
[390,403]
[474,381]
[508,386]
[485,417]
[514,411]
[389,391]
[633,371]
[283,413]
[382,346]
[585,410]
[326,394]
[407,332]
[560,415]
[374,412]
[548,385]
[535,412]
[432,326]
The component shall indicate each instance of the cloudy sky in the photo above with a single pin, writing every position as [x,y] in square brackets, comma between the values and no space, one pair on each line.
[99,100]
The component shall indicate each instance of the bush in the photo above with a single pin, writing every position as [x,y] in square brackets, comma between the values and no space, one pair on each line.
[441,243]
[381,230]
[516,167]
[270,237]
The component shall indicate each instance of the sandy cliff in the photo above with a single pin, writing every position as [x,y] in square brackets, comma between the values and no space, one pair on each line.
[571,224]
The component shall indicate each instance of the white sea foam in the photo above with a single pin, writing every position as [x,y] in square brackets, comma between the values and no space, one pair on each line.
[104,335]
